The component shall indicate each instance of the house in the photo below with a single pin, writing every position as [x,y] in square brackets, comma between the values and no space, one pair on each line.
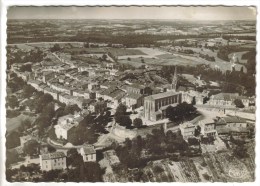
[65,124]
[135,88]
[53,161]
[187,130]
[98,107]
[227,100]
[231,125]
[88,153]
[133,100]
[47,75]
[207,127]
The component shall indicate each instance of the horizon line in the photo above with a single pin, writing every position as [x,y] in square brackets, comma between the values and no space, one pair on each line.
[130,19]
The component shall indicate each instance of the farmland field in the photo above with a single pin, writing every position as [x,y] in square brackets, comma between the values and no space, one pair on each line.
[114,51]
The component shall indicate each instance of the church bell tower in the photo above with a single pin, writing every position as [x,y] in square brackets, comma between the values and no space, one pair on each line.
[174,80]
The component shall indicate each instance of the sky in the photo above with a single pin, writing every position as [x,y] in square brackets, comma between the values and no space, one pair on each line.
[134,12]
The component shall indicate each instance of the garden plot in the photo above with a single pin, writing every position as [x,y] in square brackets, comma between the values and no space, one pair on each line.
[226,167]
[204,172]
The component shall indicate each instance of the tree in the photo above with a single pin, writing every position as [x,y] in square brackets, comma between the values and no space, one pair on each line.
[124,120]
[74,158]
[55,48]
[86,45]
[170,136]
[128,59]
[26,124]
[138,122]
[121,117]
[43,100]
[193,101]
[71,109]
[28,91]
[12,140]
[26,68]
[239,103]
[104,57]
[193,141]
[51,175]
[242,69]
[12,101]
[92,172]
[181,112]
[31,147]
[121,109]
[197,131]
[240,151]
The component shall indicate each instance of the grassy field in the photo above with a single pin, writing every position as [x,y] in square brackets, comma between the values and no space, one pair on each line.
[166,58]
[114,51]
[13,123]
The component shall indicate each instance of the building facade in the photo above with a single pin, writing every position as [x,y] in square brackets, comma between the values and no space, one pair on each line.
[208,127]
[154,104]
[187,130]
[53,161]
[88,153]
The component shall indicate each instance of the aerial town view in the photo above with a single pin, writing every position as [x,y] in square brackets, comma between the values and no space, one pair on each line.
[131,98]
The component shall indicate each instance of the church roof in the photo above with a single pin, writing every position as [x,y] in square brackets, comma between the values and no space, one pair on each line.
[162,95]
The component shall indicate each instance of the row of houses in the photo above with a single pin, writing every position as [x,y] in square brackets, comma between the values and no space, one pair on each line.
[221,126]
[57,160]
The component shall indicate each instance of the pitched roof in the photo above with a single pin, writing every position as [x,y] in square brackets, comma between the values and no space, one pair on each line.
[134,96]
[89,149]
[134,85]
[53,155]
[234,119]
[226,96]
[162,95]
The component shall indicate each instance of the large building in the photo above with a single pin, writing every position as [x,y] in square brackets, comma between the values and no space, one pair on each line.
[155,105]
[52,161]
[227,100]
[65,124]
[231,125]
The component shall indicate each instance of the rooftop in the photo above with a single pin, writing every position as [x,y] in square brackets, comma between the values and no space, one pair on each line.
[53,155]
[161,95]
[234,119]
[134,96]
[88,149]
[187,125]
[226,96]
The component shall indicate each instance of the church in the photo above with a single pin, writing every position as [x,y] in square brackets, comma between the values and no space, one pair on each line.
[155,105]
